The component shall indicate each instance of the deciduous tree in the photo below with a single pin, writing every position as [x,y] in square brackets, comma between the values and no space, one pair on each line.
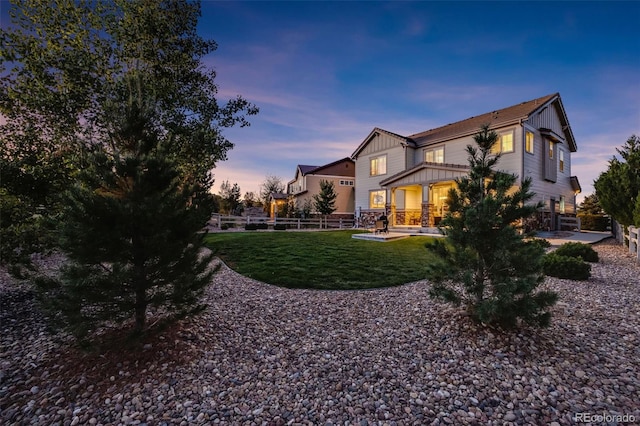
[63,67]
[112,99]
[271,184]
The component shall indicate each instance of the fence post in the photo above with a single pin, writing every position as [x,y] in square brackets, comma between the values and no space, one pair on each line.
[633,241]
[298,223]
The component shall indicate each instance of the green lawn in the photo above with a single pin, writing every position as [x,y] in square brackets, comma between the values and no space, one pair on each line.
[321,260]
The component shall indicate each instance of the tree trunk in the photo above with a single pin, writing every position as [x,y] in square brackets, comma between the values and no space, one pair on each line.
[141,309]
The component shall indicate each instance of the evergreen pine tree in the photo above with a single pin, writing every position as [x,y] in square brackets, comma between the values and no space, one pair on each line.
[325,201]
[131,230]
[485,263]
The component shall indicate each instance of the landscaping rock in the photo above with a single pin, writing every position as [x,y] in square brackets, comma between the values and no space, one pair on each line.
[261,354]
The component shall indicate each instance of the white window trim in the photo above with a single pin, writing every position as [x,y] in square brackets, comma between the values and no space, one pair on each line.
[384,201]
[533,142]
[375,158]
[438,148]
[499,143]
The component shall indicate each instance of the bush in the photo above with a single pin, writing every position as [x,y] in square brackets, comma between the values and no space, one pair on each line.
[224,226]
[579,250]
[540,242]
[251,227]
[594,222]
[280,227]
[572,268]
[263,225]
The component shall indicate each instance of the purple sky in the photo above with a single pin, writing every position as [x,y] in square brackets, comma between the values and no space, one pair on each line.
[324,74]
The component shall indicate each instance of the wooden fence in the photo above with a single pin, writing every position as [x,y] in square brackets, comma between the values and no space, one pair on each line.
[226,222]
[633,242]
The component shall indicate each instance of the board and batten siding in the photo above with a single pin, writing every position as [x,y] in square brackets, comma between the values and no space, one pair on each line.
[380,144]
[547,118]
[534,167]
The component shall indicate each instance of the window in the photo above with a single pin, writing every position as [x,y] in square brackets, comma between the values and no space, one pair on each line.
[528,143]
[550,150]
[434,155]
[562,204]
[504,144]
[561,160]
[379,165]
[346,183]
[377,199]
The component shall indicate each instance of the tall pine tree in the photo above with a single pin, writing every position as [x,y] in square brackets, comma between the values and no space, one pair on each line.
[485,263]
[131,231]
[114,98]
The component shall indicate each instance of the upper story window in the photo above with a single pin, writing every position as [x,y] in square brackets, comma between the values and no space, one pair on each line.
[504,143]
[561,160]
[378,165]
[435,155]
[346,182]
[551,150]
[528,142]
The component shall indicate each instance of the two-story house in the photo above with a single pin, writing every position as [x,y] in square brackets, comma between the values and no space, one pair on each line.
[409,176]
[306,184]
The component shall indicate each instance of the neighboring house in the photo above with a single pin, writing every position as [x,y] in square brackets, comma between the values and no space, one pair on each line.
[276,202]
[409,176]
[306,184]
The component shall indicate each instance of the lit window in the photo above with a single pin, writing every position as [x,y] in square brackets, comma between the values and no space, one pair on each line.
[504,143]
[377,199]
[379,165]
[562,203]
[561,160]
[434,155]
[550,150]
[528,143]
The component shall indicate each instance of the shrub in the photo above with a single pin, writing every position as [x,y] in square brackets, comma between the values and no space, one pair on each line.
[280,227]
[594,222]
[580,250]
[251,227]
[559,266]
[541,242]
[263,225]
[224,226]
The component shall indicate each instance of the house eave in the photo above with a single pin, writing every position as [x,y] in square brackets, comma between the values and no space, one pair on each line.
[492,126]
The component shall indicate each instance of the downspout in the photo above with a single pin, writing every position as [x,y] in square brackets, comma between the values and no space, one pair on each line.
[522,146]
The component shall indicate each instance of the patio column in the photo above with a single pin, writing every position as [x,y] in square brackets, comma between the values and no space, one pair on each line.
[392,207]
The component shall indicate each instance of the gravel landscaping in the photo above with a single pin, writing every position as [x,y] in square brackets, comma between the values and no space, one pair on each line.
[271,356]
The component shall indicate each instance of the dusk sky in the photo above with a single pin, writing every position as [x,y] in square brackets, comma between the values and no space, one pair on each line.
[324,74]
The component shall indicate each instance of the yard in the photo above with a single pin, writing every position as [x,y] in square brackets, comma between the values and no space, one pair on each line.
[266,355]
[321,260]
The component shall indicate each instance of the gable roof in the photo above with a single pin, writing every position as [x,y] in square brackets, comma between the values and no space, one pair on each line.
[304,169]
[376,131]
[499,118]
[315,170]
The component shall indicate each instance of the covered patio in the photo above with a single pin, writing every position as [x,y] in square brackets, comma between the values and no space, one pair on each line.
[418,195]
